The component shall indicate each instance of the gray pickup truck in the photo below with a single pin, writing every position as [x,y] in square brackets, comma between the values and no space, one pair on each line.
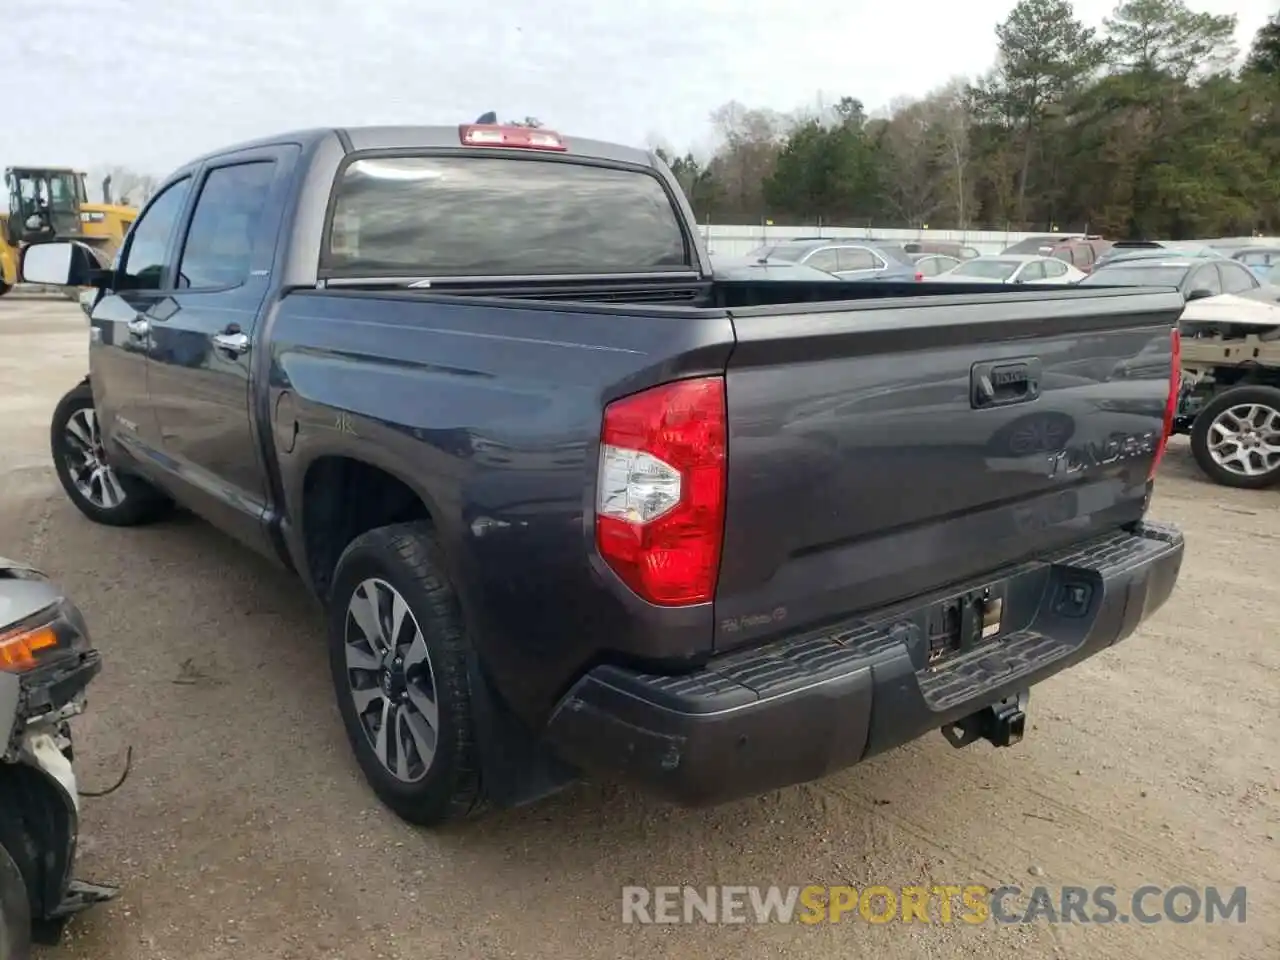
[573,504]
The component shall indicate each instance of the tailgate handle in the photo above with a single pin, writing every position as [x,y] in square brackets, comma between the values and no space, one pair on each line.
[998,383]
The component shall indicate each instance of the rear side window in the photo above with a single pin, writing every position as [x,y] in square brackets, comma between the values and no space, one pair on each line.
[491,216]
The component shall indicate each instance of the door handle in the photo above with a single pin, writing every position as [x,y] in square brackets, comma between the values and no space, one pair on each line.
[139,328]
[235,343]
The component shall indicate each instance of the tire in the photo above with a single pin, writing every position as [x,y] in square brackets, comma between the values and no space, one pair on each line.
[1226,410]
[113,498]
[4,288]
[405,560]
[15,911]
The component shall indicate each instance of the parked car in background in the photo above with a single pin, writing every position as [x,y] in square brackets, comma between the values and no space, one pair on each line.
[1195,277]
[1083,254]
[945,247]
[1153,250]
[847,259]
[932,264]
[1023,268]
[762,268]
[1034,245]
[1258,259]
[1080,251]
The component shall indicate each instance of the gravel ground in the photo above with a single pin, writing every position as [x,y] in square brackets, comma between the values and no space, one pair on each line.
[245,830]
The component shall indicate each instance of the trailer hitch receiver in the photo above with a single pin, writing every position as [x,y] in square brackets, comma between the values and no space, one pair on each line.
[1003,723]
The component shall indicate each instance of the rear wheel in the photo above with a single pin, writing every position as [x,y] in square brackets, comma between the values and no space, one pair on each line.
[1235,437]
[398,651]
[99,491]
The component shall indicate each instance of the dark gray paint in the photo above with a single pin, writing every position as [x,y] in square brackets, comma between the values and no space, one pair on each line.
[858,473]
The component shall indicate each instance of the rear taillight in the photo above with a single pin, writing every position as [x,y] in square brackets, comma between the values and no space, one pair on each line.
[661,490]
[1171,402]
[919,276]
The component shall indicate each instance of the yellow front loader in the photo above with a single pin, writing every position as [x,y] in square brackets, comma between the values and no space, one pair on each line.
[52,203]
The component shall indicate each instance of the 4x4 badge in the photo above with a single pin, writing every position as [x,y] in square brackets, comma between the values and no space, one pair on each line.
[344,425]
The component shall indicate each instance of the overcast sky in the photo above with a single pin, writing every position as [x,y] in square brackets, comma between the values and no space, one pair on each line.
[151,83]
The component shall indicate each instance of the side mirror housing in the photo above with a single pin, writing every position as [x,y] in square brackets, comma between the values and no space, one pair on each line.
[61,263]
[1200,293]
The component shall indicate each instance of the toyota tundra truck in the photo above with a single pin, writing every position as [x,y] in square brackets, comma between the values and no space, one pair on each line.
[575,506]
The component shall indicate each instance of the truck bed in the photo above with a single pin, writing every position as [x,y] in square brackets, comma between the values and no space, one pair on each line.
[859,471]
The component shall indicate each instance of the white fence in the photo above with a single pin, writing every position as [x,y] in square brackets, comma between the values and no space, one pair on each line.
[737,240]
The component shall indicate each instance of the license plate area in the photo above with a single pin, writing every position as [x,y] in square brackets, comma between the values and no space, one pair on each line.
[966,621]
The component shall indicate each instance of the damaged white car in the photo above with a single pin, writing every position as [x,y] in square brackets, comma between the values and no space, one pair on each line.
[1230,403]
[46,662]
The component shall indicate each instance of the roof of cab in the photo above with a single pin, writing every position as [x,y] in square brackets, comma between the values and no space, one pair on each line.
[424,137]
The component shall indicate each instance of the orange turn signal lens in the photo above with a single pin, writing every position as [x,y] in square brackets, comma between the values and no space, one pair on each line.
[20,650]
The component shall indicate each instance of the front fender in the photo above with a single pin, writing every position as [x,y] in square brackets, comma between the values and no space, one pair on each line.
[39,827]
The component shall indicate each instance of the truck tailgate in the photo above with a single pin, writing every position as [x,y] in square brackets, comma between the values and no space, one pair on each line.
[883,450]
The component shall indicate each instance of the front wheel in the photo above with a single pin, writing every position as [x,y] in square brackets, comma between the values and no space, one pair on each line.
[1235,437]
[398,652]
[99,491]
[15,911]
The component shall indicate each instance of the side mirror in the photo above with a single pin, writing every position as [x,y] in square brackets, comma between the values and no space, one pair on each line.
[61,263]
[1200,293]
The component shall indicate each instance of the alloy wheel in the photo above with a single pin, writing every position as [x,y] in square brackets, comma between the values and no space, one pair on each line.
[86,461]
[391,681]
[1245,439]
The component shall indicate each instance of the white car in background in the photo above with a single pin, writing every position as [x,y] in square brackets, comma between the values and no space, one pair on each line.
[1011,268]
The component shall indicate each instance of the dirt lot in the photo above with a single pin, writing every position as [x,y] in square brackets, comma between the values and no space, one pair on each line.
[245,830]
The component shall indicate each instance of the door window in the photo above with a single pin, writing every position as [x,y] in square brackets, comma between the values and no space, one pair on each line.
[857,258]
[824,259]
[219,247]
[149,242]
[1031,272]
[1236,279]
[1053,269]
[1206,278]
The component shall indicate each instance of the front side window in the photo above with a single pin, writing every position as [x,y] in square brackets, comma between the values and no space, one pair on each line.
[857,258]
[1236,279]
[219,245]
[823,260]
[149,242]
[1206,278]
[988,269]
[485,216]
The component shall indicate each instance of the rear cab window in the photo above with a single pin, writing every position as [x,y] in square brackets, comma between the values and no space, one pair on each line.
[495,216]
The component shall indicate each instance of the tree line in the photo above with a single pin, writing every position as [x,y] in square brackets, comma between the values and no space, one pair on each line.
[1144,127]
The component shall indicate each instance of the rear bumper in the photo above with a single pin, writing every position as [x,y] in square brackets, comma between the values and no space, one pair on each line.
[803,707]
